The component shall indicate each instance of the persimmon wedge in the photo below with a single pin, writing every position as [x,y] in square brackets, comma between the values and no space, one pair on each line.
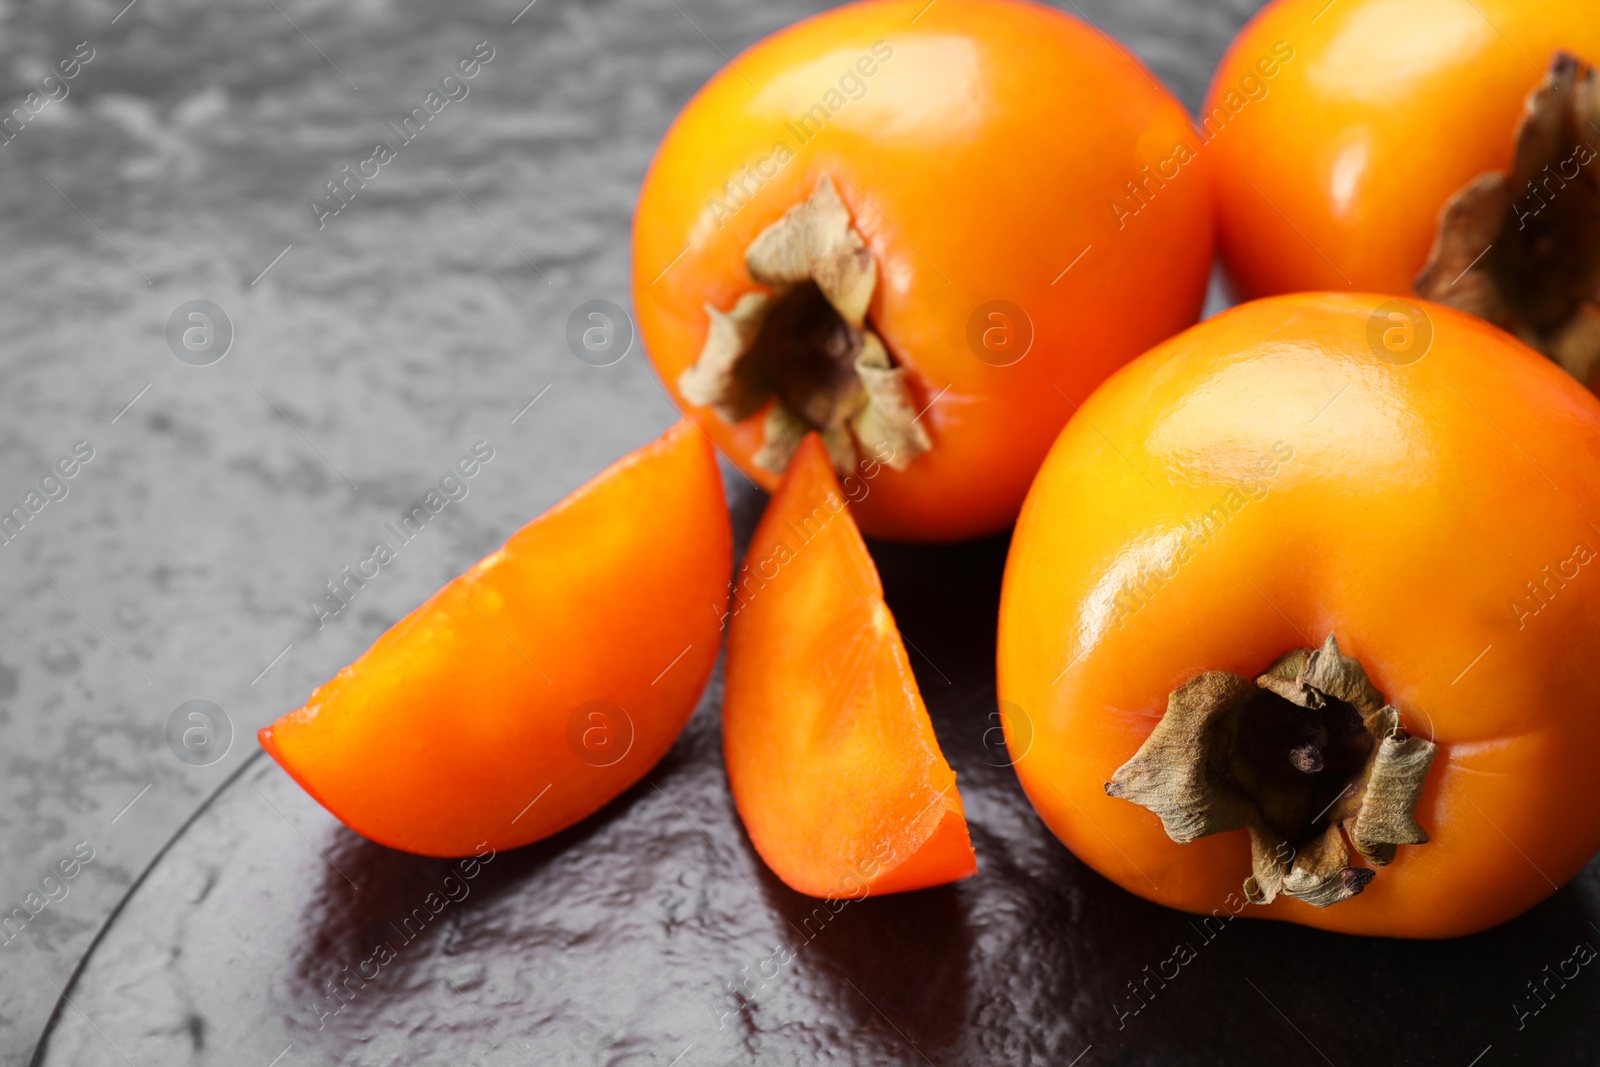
[831,757]
[540,684]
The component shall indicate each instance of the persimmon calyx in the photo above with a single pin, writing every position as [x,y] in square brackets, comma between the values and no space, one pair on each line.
[1309,758]
[1522,249]
[807,344]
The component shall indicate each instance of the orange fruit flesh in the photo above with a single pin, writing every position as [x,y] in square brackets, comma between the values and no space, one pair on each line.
[540,684]
[830,753]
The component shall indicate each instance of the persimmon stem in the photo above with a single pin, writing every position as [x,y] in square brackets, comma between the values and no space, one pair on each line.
[1309,759]
[1522,249]
[805,347]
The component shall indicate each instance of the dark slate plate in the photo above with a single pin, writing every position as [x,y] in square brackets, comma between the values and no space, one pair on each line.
[652,934]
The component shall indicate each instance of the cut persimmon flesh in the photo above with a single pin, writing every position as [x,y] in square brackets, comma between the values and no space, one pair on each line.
[831,757]
[540,684]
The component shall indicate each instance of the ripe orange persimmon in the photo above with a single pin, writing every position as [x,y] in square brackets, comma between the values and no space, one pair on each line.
[832,760]
[1400,147]
[1336,596]
[925,231]
[541,683]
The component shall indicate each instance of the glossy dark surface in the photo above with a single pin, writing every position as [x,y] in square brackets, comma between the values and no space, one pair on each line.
[653,930]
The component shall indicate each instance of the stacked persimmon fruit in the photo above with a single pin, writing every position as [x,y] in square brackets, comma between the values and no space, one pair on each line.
[1298,616]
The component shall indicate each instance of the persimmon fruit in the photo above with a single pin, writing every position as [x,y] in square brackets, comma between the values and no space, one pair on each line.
[897,224]
[1324,610]
[832,760]
[540,684]
[1446,148]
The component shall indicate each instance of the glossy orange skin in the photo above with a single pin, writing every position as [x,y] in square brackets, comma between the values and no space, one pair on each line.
[1334,179]
[1412,509]
[981,160]
[831,758]
[456,728]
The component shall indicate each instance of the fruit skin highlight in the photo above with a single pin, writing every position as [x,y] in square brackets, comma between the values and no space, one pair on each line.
[1265,480]
[540,684]
[831,757]
[1336,177]
[983,154]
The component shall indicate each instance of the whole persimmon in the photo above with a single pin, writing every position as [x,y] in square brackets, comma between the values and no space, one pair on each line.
[1443,147]
[1300,621]
[925,231]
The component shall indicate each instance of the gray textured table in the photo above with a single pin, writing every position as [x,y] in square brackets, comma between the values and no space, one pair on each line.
[367,355]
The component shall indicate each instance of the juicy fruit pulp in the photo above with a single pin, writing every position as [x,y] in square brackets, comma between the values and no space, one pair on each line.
[541,683]
[831,756]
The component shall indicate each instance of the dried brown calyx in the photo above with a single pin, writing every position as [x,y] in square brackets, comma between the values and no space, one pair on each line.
[806,342]
[1309,759]
[1540,224]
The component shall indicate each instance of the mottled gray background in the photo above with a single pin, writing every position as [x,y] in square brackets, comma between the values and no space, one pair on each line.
[369,356]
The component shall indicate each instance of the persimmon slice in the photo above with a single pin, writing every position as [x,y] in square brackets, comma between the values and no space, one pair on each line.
[540,684]
[832,760]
